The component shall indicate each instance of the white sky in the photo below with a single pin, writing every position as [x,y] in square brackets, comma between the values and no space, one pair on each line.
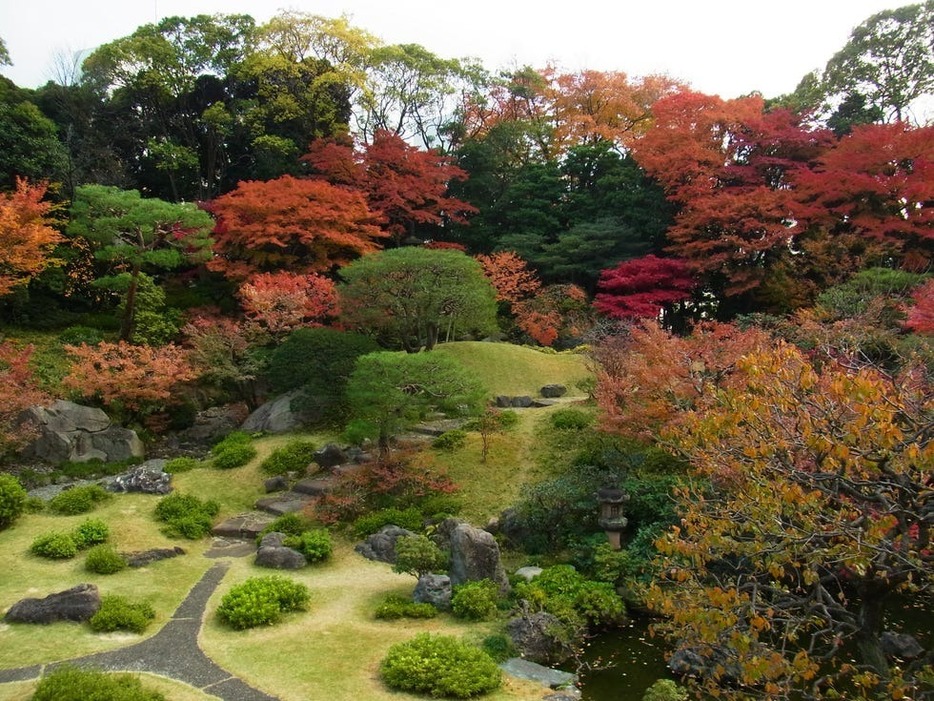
[725,47]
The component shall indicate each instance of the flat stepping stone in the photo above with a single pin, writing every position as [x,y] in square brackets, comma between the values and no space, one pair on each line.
[546,676]
[315,486]
[231,547]
[436,428]
[244,526]
[285,503]
[542,403]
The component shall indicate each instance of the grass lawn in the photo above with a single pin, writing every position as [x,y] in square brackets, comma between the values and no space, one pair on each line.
[173,690]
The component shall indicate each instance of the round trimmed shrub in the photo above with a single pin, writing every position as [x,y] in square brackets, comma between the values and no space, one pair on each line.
[418,555]
[440,665]
[73,684]
[315,544]
[54,546]
[500,647]
[92,531]
[411,519]
[231,439]
[475,601]
[79,500]
[183,464]
[119,613]
[665,690]
[449,441]
[395,607]
[294,456]
[186,516]
[12,500]
[569,418]
[261,601]
[104,559]
[234,456]
[289,524]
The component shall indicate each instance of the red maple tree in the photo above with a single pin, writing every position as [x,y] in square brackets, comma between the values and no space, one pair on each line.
[282,301]
[921,316]
[642,287]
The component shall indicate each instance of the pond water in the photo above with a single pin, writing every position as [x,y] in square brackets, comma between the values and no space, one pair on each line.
[626,663]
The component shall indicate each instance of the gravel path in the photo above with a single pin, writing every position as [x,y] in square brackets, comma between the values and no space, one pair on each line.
[172,652]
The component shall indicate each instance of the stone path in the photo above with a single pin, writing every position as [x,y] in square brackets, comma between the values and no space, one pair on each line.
[172,652]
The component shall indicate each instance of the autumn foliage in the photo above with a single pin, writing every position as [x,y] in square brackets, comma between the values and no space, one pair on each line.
[303,225]
[642,287]
[19,390]
[556,311]
[510,275]
[921,315]
[26,234]
[282,301]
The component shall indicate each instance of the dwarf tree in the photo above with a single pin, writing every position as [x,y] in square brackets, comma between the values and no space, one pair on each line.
[280,302]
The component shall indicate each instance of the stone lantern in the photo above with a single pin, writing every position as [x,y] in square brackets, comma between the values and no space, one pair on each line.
[612,519]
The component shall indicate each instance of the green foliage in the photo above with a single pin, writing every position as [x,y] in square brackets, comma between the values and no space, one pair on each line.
[12,500]
[104,559]
[665,690]
[92,531]
[186,516]
[449,441]
[294,456]
[854,296]
[569,418]
[290,524]
[94,469]
[76,335]
[261,601]
[320,361]
[119,613]
[500,647]
[567,594]
[418,555]
[54,546]
[73,684]
[315,544]
[395,607]
[233,456]
[411,519]
[475,601]
[79,500]
[440,665]
[233,438]
[182,464]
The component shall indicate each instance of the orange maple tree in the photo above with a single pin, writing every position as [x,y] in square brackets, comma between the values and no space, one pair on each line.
[300,224]
[556,311]
[20,390]
[26,234]
[510,275]
[282,301]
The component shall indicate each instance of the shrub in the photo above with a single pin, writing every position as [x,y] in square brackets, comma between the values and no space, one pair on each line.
[294,456]
[665,690]
[452,440]
[92,531]
[186,516]
[410,519]
[499,646]
[440,665]
[315,544]
[76,335]
[104,559]
[118,613]
[568,418]
[475,601]
[234,456]
[231,439]
[395,607]
[567,594]
[12,500]
[79,500]
[73,684]
[262,601]
[183,464]
[417,555]
[289,524]
[54,546]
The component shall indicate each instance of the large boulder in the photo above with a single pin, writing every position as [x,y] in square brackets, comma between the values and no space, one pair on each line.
[76,604]
[718,661]
[212,424]
[901,645]
[381,546]
[538,637]
[475,556]
[434,589]
[75,433]
[274,554]
[148,478]
[330,456]
[276,416]
[553,391]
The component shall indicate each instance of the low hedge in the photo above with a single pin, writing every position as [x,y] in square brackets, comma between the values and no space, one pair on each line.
[440,665]
[261,601]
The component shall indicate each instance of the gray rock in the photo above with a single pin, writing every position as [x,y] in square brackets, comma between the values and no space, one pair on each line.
[118,443]
[247,526]
[901,645]
[282,503]
[274,539]
[147,557]
[569,694]
[276,484]
[64,417]
[528,573]
[502,401]
[330,456]
[538,637]
[381,546]
[76,604]
[72,432]
[553,391]
[546,676]
[522,402]
[276,416]
[434,589]
[719,661]
[212,424]
[475,556]
[279,558]
[315,487]
[148,478]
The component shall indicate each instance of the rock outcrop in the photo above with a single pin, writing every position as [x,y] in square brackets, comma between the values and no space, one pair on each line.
[475,556]
[76,604]
[75,433]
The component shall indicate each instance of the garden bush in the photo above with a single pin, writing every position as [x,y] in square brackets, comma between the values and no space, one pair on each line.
[289,524]
[73,684]
[104,559]
[76,335]
[500,647]
[183,464]
[564,592]
[186,516]
[440,665]
[449,441]
[12,500]
[475,601]
[314,544]
[572,419]
[395,607]
[261,601]
[294,456]
[54,546]
[119,613]
[233,456]
[665,690]
[92,531]
[231,439]
[410,519]
[418,555]
[79,500]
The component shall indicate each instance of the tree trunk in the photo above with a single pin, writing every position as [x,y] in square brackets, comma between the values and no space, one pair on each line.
[431,335]
[871,621]
[129,309]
